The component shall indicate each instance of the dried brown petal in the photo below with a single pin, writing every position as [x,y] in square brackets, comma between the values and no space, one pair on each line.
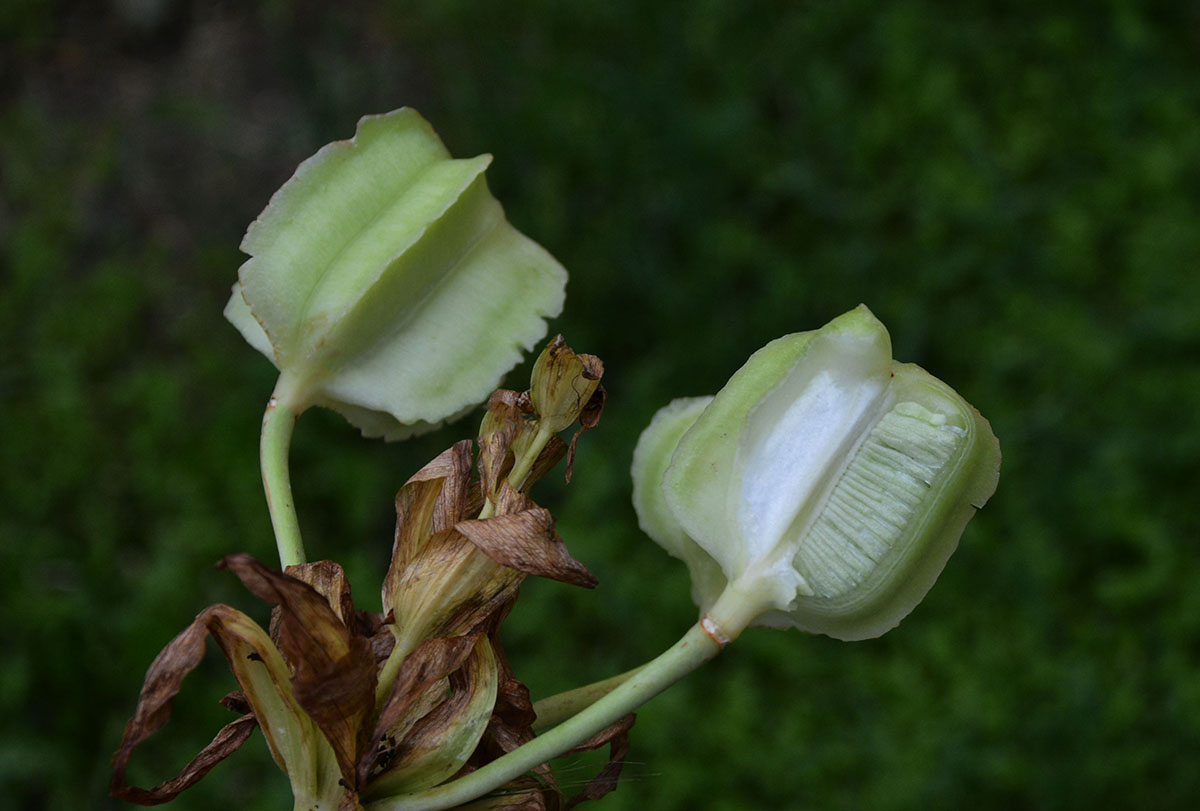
[334,668]
[330,581]
[414,525]
[439,744]
[429,664]
[495,460]
[349,802]
[450,590]
[510,727]
[504,424]
[432,501]
[617,736]
[383,640]
[261,673]
[589,418]
[526,541]
[505,408]
[227,741]
[236,702]
[265,679]
[513,716]
[454,468]
[513,501]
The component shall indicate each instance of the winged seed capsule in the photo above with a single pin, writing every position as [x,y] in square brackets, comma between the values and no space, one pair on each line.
[385,282]
[823,488]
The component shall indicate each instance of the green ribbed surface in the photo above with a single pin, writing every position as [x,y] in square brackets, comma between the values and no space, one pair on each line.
[876,498]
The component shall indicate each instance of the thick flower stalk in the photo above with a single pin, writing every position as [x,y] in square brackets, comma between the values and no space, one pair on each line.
[823,488]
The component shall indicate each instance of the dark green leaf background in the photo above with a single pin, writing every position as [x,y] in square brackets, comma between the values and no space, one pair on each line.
[1013,187]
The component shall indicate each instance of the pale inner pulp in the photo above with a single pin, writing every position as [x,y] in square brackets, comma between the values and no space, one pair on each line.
[792,442]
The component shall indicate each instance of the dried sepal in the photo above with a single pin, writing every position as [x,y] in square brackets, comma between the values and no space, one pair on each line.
[527,541]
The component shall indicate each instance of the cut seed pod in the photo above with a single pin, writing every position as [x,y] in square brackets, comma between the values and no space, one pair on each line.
[828,483]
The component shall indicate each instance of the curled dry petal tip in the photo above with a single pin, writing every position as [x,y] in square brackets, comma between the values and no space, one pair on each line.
[385,282]
[823,488]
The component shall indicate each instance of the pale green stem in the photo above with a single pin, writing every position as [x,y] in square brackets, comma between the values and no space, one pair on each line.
[695,648]
[278,422]
[553,710]
[522,466]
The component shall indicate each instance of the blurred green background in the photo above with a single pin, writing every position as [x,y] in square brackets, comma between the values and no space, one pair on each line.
[1013,187]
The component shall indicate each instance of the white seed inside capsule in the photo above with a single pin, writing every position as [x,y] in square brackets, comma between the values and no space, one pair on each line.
[871,507]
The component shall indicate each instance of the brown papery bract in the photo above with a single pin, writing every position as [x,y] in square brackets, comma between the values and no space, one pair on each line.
[333,666]
[163,681]
[527,541]
[424,669]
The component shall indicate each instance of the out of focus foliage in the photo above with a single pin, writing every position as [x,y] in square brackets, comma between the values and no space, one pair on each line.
[1014,189]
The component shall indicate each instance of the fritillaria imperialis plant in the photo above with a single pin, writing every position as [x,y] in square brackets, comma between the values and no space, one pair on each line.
[823,488]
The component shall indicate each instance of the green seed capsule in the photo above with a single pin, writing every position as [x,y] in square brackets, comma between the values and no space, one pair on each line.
[385,282]
[827,482]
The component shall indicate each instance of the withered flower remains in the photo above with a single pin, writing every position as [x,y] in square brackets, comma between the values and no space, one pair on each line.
[357,707]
